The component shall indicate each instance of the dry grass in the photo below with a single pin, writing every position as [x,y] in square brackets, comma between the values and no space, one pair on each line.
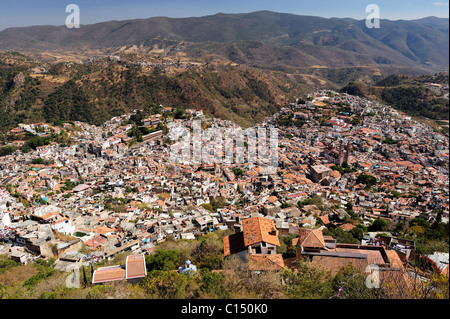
[17,274]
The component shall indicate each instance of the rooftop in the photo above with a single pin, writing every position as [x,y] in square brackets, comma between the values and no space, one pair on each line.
[134,267]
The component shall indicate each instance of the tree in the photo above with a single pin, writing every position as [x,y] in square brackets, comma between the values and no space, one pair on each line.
[349,206]
[37,141]
[218,202]
[179,114]
[58,123]
[438,220]
[417,230]
[163,260]
[342,236]
[38,161]
[389,141]
[368,180]
[308,282]
[396,194]
[208,207]
[400,227]
[238,171]
[358,231]
[378,225]
[7,150]
[419,221]
[69,102]
[169,285]
[212,284]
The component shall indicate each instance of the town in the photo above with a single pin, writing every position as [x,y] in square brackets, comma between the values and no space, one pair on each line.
[347,166]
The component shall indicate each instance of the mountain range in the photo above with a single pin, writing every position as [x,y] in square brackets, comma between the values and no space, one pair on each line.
[263,39]
[275,57]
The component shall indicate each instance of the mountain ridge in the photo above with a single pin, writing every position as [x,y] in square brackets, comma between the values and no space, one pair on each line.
[331,36]
[236,66]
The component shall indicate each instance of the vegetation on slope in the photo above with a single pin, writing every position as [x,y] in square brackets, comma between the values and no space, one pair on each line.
[94,93]
[409,94]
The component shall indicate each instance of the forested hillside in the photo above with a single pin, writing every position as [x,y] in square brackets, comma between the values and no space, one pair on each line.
[32,90]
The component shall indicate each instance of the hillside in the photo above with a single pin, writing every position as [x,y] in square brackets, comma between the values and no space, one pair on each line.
[269,40]
[423,96]
[94,92]
[241,67]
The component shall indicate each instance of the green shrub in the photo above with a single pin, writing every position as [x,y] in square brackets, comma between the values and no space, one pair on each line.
[163,260]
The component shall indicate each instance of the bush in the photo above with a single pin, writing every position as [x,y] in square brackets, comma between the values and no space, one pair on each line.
[7,150]
[212,284]
[352,283]
[163,260]
[32,281]
[169,285]
[40,161]
[7,264]
[368,180]
[99,292]
[214,261]
[307,283]
[378,225]
[60,292]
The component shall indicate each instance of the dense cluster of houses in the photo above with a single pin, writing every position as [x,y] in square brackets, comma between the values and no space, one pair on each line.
[112,196]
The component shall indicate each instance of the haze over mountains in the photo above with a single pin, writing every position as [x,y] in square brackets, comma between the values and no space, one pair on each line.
[263,39]
[241,67]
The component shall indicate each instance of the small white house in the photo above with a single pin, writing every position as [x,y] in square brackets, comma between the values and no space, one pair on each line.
[5,220]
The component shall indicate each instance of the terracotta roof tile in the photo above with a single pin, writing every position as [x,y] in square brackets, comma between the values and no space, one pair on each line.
[109,274]
[273,199]
[258,229]
[311,238]
[325,219]
[347,226]
[373,256]
[233,244]
[266,262]
[333,264]
[135,266]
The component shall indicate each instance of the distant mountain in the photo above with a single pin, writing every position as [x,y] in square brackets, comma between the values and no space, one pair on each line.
[265,39]
[242,67]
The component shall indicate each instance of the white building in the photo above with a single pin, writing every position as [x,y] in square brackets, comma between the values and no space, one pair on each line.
[5,220]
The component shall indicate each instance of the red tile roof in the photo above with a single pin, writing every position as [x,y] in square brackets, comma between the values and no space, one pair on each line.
[266,262]
[311,238]
[347,226]
[258,229]
[325,219]
[109,274]
[233,244]
[135,266]
[333,264]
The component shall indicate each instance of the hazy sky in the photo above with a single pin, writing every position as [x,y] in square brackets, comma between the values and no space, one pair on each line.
[15,13]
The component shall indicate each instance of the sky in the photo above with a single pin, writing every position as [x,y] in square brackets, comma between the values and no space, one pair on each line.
[18,13]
